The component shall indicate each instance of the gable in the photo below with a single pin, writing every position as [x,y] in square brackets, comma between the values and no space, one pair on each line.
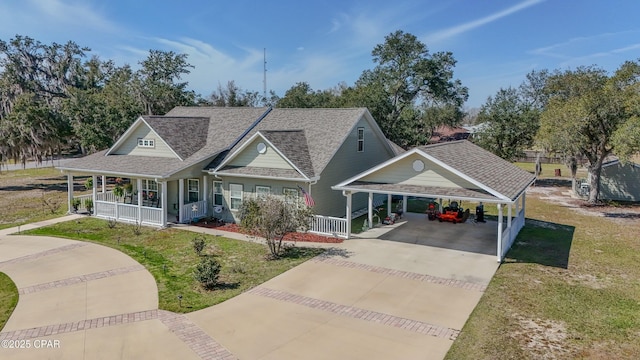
[417,170]
[129,144]
[266,157]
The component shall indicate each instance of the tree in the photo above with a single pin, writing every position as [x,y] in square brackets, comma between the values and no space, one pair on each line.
[301,95]
[589,112]
[406,75]
[157,82]
[233,96]
[273,217]
[510,124]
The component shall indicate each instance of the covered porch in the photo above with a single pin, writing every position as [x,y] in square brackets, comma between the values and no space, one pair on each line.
[141,201]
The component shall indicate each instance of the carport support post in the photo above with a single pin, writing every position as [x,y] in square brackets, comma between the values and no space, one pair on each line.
[370,210]
[509,223]
[499,232]
[389,205]
[404,204]
[104,184]
[69,191]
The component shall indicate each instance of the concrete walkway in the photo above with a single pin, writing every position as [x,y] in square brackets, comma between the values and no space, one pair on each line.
[363,299]
[80,300]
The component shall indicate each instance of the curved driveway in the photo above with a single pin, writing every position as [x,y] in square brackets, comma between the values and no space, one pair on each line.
[365,299]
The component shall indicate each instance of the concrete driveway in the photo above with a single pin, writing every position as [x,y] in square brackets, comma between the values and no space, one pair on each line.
[364,299]
[368,299]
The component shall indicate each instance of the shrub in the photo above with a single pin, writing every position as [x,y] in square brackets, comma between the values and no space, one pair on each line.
[207,272]
[199,243]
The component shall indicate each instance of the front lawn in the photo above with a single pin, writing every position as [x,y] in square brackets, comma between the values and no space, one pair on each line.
[169,256]
[8,298]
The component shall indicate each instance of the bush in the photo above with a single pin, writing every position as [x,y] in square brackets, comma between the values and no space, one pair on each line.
[198,244]
[207,272]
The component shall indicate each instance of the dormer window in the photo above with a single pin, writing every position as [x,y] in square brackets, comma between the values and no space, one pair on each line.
[146,143]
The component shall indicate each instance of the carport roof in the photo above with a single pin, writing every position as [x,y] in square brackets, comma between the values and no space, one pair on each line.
[488,177]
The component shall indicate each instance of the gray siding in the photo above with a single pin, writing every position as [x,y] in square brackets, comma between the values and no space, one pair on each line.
[269,159]
[248,190]
[402,172]
[130,145]
[348,162]
[620,182]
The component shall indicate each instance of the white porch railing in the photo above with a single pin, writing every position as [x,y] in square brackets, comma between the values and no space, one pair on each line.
[83,200]
[328,225]
[128,213]
[194,210]
[509,234]
[106,196]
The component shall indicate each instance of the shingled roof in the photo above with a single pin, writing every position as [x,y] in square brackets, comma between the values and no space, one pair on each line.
[324,129]
[196,134]
[184,135]
[482,166]
[498,179]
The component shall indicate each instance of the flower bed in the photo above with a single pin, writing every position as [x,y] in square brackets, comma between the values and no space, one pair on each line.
[297,237]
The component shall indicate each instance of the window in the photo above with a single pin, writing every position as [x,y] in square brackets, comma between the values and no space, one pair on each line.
[193,188]
[149,189]
[217,193]
[290,195]
[148,143]
[262,190]
[360,139]
[235,194]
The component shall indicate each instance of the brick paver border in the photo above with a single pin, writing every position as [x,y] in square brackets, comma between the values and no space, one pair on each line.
[40,254]
[420,327]
[79,325]
[79,279]
[197,340]
[403,274]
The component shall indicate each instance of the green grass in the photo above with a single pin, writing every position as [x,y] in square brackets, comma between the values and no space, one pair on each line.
[8,298]
[575,272]
[169,256]
[23,194]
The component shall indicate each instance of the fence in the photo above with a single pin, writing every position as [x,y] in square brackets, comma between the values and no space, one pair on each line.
[328,225]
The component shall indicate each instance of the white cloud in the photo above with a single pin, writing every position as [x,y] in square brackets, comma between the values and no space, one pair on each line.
[462,28]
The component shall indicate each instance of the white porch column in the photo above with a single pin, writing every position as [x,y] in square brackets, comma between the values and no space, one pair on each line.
[349,211]
[70,192]
[499,232]
[205,189]
[509,224]
[104,184]
[404,204]
[94,192]
[163,200]
[389,210]
[180,199]
[524,196]
[370,217]
[139,185]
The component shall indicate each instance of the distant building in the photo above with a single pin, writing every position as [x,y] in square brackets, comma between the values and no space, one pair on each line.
[445,133]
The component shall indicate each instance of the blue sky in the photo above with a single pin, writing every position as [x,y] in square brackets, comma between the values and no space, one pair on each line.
[496,43]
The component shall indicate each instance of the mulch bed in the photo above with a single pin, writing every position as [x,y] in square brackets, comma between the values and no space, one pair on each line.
[296,237]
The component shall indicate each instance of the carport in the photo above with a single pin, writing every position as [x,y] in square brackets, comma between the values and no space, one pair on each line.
[456,170]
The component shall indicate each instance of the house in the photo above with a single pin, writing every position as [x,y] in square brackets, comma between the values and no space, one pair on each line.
[444,133]
[198,161]
[618,181]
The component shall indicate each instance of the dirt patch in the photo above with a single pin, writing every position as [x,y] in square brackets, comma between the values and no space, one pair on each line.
[294,237]
[622,214]
[545,339]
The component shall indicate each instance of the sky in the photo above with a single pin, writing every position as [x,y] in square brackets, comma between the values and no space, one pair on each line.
[324,43]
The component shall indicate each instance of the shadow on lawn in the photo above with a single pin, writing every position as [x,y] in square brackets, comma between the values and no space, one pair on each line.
[543,243]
